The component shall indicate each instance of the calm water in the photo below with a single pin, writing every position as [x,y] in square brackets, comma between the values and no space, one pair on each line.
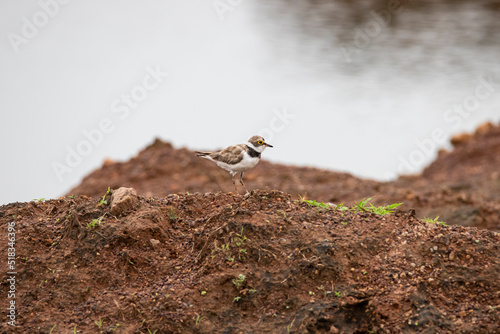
[380,78]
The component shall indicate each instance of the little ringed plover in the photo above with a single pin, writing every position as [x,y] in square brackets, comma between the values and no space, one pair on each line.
[238,158]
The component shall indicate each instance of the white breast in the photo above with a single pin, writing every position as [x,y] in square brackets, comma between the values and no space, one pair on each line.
[245,164]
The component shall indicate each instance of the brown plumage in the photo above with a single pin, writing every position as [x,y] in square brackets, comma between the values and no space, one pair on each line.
[230,155]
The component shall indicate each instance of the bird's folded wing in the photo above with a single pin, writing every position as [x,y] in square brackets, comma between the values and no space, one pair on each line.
[231,155]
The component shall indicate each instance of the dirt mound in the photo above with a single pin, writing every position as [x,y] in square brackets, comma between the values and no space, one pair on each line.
[461,186]
[474,159]
[263,263]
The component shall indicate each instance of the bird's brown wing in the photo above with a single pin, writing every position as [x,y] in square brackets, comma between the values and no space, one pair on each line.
[231,155]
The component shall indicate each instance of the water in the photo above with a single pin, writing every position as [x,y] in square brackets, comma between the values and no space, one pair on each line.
[272,67]
[382,90]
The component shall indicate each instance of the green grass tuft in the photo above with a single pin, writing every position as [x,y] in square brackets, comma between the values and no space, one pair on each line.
[364,205]
[434,221]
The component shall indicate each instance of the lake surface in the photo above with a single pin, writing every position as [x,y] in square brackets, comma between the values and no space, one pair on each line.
[389,80]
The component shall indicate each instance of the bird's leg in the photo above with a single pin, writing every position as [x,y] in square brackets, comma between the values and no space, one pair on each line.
[234,182]
[241,181]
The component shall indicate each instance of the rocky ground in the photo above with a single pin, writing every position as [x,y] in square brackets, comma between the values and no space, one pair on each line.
[263,263]
[177,255]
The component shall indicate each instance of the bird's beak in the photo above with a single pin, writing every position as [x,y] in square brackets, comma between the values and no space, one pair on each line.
[268,145]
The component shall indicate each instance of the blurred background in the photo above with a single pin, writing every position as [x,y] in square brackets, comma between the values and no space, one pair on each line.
[374,88]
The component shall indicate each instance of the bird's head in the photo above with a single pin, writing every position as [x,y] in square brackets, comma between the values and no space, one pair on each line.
[258,143]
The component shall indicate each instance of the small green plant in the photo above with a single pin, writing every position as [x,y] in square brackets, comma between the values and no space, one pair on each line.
[239,281]
[198,319]
[434,221]
[341,207]
[228,250]
[95,222]
[72,196]
[311,293]
[103,200]
[203,293]
[314,203]
[364,205]
[149,331]
[384,210]
[338,294]
[241,238]
[236,299]
[361,205]
[114,328]
[252,291]
[52,329]
[172,214]
[74,330]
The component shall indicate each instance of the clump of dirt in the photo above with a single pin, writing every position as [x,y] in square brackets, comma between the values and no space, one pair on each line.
[461,186]
[262,263]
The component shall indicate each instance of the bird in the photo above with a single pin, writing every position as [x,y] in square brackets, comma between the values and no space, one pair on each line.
[238,158]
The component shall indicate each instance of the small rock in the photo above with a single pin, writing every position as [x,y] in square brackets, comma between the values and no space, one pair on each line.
[123,200]
[334,329]
[155,243]
[48,242]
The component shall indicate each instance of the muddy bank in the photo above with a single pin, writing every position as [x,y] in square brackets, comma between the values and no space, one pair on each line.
[265,263]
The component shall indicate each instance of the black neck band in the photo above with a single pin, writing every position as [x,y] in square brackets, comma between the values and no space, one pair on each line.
[252,152]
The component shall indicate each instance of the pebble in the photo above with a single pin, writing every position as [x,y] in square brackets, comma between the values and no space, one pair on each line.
[123,200]
[155,243]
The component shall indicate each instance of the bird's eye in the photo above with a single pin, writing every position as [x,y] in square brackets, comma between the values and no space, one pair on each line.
[260,142]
